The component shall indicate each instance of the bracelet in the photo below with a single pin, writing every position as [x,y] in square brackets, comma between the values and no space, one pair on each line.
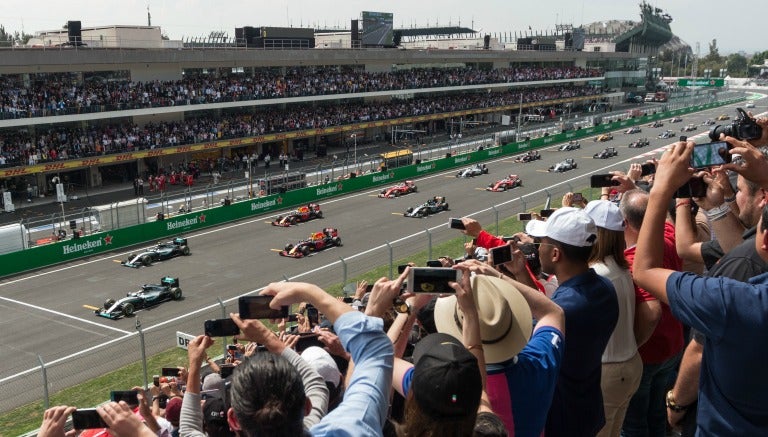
[605,194]
[475,346]
[730,199]
[719,212]
[682,203]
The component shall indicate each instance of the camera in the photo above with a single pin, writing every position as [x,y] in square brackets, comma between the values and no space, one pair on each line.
[432,280]
[710,154]
[220,328]
[743,128]
[456,223]
[501,254]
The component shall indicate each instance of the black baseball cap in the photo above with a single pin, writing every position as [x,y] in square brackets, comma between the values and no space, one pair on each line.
[446,377]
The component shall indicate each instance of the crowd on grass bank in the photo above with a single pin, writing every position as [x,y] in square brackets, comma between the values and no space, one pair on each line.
[60,94]
[622,316]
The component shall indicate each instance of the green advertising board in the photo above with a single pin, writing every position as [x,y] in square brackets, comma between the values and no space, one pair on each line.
[701,81]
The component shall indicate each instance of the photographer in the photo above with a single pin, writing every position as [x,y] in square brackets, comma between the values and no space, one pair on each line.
[733,393]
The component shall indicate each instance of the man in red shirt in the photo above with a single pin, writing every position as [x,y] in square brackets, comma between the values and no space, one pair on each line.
[658,333]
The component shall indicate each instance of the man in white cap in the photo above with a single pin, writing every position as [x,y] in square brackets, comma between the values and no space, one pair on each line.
[591,312]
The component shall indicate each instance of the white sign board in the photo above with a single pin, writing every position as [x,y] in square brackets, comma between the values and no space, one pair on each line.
[182,339]
[8,202]
[60,196]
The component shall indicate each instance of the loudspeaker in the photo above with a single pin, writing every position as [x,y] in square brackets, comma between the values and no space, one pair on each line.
[487,42]
[74,32]
[73,224]
[355,25]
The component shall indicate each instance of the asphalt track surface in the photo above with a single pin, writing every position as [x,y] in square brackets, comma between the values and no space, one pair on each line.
[42,313]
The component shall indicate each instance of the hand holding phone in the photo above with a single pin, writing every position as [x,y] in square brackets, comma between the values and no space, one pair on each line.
[577,198]
[710,154]
[602,180]
[523,216]
[502,254]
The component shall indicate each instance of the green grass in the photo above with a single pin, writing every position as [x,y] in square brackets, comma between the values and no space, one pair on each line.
[28,417]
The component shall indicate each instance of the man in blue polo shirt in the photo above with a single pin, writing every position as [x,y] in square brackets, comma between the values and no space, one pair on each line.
[591,313]
[733,315]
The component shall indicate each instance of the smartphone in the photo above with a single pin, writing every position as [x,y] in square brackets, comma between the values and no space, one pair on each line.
[432,280]
[709,154]
[130,397]
[434,263]
[257,307]
[87,418]
[401,268]
[225,370]
[313,315]
[307,340]
[501,254]
[524,216]
[456,223]
[602,180]
[647,168]
[577,197]
[169,371]
[369,288]
[698,187]
[295,318]
[348,299]
[220,328]
[683,138]
[163,401]
[544,213]
[231,347]
[156,380]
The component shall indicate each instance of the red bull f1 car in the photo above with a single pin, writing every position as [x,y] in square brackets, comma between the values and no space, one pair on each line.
[147,296]
[161,251]
[509,182]
[328,237]
[398,190]
[301,214]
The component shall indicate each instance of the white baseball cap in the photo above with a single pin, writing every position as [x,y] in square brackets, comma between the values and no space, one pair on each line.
[606,215]
[567,225]
[323,363]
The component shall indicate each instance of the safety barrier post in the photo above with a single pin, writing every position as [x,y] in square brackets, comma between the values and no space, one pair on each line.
[344,270]
[496,215]
[391,261]
[44,373]
[429,243]
[142,345]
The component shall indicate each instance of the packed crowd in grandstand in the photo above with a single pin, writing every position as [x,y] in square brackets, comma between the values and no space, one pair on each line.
[59,94]
[581,330]
[22,147]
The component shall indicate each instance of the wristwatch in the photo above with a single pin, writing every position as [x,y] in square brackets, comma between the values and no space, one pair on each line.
[401,306]
[672,405]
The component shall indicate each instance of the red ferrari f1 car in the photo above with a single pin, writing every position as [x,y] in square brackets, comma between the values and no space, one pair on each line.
[301,214]
[505,184]
[398,190]
[328,237]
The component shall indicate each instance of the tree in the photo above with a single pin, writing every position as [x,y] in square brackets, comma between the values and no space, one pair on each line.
[6,39]
[737,65]
[714,54]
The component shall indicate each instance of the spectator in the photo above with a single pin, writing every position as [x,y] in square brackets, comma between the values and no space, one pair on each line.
[591,313]
[622,366]
[658,333]
[733,397]
[522,370]
[279,409]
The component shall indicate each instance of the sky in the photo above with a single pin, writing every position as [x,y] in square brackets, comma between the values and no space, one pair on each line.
[699,21]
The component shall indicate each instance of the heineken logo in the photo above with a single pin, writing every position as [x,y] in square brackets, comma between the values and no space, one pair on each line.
[379,178]
[426,167]
[460,160]
[328,190]
[263,204]
[175,224]
[85,246]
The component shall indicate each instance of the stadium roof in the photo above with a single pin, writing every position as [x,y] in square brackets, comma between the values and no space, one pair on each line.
[434,31]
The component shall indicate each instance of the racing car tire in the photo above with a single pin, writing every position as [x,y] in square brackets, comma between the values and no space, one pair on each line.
[185,250]
[503,188]
[288,247]
[108,303]
[146,260]
[128,309]
[336,241]
[319,214]
[176,293]
[396,194]
[305,250]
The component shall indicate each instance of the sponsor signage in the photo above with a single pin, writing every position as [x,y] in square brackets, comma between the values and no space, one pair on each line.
[701,81]
[182,340]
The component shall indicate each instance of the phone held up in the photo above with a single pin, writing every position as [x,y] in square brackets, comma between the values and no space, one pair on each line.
[602,180]
[456,223]
[257,307]
[432,280]
[501,254]
[219,328]
[87,418]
